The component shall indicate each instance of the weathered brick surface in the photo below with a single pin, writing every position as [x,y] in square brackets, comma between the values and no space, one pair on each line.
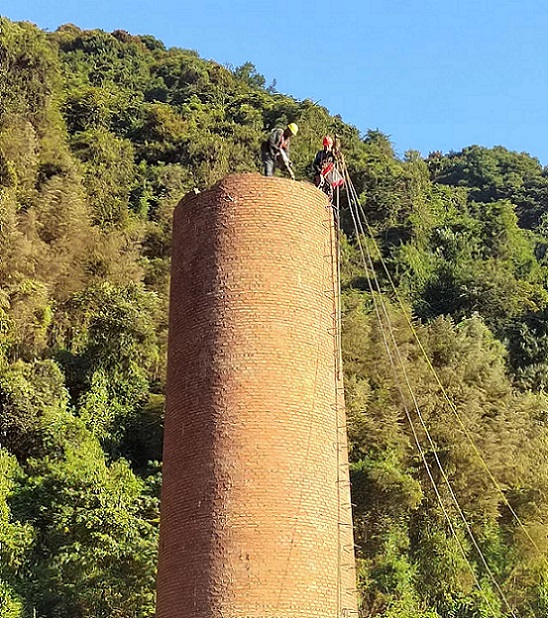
[256,519]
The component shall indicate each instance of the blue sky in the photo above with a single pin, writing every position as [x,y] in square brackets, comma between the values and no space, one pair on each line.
[433,75]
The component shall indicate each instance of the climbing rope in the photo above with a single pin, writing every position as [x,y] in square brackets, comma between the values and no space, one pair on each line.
[357,216]
[336,365]
[340,421]
[353,195]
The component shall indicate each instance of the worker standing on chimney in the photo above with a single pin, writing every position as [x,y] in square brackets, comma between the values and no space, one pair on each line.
[275,150]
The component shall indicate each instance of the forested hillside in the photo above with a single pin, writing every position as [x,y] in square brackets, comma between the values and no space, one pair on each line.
[100,136]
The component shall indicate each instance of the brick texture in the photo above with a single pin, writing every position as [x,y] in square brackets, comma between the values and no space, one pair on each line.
[256,519]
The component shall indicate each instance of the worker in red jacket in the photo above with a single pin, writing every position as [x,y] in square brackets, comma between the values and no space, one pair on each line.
[275,150]
[323,158]
[327,176]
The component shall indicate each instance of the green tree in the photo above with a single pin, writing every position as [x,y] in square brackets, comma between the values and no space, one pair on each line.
[96,530]
[15,539]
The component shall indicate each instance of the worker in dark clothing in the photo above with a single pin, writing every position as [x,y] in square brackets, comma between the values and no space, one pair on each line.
[323,158]
[326,175]
[275,150]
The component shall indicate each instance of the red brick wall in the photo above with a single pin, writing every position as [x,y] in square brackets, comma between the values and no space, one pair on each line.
[256,519]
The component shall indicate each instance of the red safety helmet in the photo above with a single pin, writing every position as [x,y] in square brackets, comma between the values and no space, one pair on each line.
[328,142]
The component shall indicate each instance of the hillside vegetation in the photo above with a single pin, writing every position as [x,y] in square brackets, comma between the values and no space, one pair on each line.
[100,136]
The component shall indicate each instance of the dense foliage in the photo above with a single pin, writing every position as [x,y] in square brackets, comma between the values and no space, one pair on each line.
[100,136]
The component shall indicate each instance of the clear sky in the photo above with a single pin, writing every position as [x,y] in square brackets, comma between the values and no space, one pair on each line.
[433,75]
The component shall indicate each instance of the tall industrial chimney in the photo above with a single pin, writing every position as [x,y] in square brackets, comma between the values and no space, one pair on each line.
[255,518]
